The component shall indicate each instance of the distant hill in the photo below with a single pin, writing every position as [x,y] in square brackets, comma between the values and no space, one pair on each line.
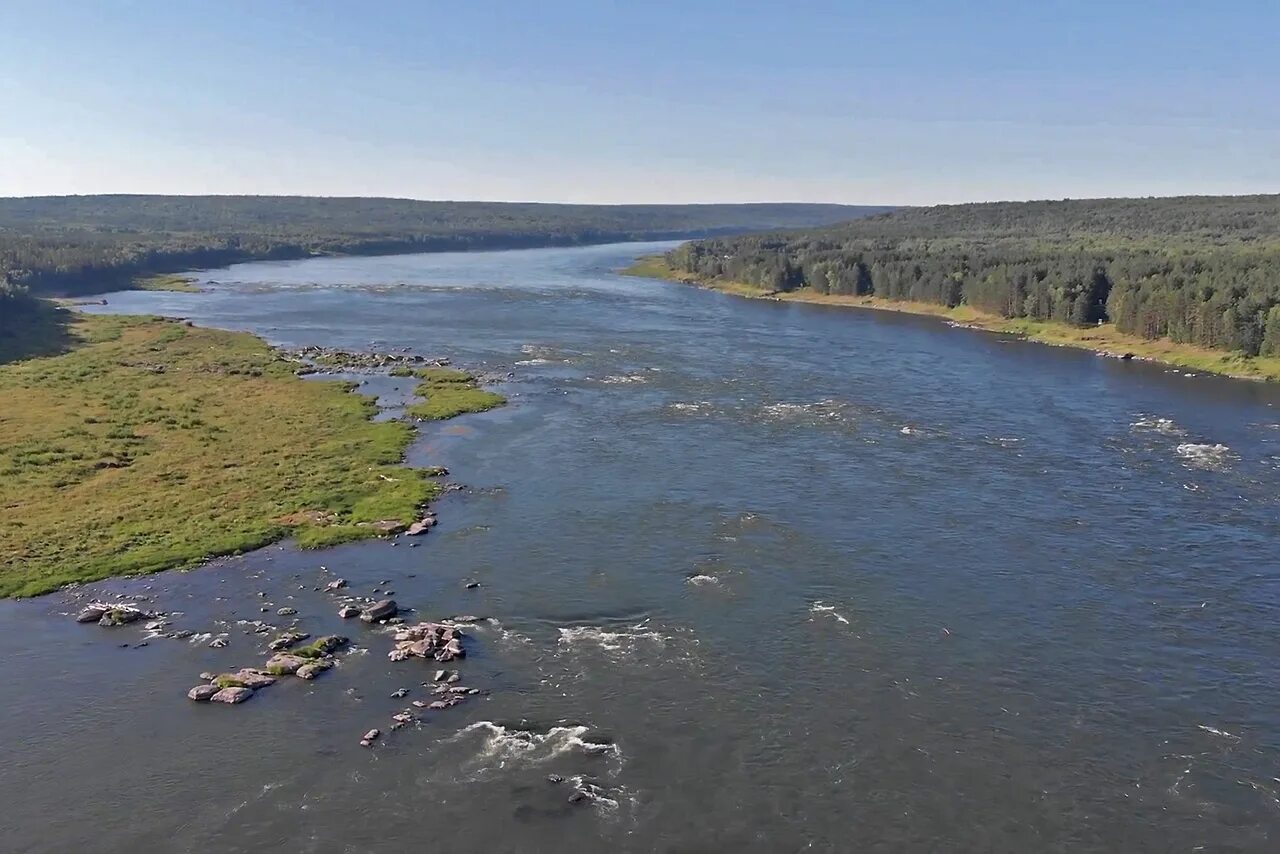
[79,243]
[1197,269]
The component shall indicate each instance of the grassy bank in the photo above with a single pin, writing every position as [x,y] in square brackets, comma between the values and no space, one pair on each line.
[448,393]
[149,445]
[1103,339]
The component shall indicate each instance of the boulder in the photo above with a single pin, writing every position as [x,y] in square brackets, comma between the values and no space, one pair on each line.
[203,693]
[255,679]
[284,663]
[119,616]
[286,612]
[380,611]
[312,670]
[231,695]
[346,612]
[336,584]
[287,640]
[91,614]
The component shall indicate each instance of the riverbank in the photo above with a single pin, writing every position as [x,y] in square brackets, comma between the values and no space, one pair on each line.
[150,444]
[1104,339]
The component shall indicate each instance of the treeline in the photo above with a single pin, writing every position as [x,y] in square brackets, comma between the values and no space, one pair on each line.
[86,243]
[1200,270]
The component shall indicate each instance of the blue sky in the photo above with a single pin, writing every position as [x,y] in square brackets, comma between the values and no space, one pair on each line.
[887,102]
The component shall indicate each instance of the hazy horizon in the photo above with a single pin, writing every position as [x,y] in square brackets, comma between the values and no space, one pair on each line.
[575,102]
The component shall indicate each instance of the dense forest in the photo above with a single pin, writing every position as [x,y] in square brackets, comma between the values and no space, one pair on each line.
[1203,270]
[67,244]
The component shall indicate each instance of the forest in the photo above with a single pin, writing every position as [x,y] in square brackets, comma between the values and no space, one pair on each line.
[1202,270]
[79,244]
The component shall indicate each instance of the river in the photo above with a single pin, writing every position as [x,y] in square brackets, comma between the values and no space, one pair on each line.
[761,577]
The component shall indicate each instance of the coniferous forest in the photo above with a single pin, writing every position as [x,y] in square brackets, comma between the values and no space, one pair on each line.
[69,244]
[1202,270]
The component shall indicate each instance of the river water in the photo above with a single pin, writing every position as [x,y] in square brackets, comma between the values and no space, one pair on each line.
[761,577]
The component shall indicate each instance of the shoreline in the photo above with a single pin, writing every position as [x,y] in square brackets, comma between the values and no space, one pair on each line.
[140,444]
[1104,340]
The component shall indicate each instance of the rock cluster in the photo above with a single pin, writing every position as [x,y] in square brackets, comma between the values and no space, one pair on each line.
[333,358]
[306,662]
[112,614]
[436,641]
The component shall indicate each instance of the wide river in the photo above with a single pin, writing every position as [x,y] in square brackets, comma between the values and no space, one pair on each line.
[761,577]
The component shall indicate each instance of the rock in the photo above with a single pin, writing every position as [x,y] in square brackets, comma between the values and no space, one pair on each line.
[388,526]
[419,704]
[203,693]
[346,612]
[399,692]
[254,679]
[472,585]
[473,690]
[371,735]
[402,717]
[119,616]
[336,584]
[207,676]
[460,689]
[286,612]
[310,671]
[217,643]
[555,778]
[327,644]
[467,618]
[441,675]
[284,663]
[435,471]
[231,695]
[91,614]
[380,610]
[438,705]
[421,526]
[455,676]
[286,640]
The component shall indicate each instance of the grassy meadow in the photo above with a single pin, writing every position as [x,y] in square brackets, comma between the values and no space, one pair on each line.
[144,444]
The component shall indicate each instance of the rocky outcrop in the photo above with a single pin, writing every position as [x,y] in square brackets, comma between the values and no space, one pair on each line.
[383,610]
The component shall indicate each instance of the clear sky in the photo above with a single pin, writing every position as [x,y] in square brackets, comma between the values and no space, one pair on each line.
[645,101]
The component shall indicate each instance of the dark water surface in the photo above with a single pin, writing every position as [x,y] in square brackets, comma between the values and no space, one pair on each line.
[764,578]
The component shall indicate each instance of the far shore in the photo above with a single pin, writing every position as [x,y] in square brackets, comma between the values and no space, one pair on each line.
[1104,339]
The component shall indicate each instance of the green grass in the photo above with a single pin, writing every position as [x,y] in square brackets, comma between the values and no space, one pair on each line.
[166,282]
[151,445]
[448,393]
[1105,338]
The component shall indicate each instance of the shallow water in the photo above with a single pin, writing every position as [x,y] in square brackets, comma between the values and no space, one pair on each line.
[761,577]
